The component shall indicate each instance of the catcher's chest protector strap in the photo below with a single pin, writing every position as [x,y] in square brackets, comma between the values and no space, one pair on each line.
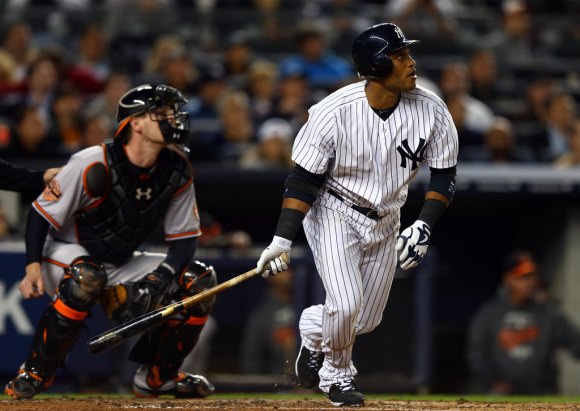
[132,205]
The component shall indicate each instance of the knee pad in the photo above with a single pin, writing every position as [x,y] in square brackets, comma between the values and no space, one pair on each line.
[197,278]
[83,282]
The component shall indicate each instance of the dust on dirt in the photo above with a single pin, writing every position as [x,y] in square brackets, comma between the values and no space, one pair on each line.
[108,404]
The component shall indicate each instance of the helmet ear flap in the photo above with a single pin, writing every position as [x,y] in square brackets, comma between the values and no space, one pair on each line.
[382,66]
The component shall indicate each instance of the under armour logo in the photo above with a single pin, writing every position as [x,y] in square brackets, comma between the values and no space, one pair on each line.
[140,193]
[407,153]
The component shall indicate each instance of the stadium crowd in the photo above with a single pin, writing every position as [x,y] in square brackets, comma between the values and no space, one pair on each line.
[251,69]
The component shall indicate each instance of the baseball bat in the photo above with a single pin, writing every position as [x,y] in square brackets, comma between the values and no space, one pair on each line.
[150,320]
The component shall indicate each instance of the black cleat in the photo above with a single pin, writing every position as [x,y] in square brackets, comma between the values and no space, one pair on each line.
[308,364]
[28,382]
[345,394]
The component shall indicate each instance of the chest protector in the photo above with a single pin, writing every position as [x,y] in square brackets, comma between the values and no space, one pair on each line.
[132,205]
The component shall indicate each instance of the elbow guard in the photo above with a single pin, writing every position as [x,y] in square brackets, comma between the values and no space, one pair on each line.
[303,185]
[443,184]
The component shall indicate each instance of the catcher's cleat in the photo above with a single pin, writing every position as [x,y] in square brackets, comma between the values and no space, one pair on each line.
[308,364]
[28,382]
[345,393]
[146,383]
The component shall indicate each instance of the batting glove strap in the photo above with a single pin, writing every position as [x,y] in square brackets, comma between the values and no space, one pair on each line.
[412,244]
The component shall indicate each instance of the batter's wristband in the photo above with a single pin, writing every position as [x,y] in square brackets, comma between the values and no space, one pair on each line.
[289,222]
[431,211]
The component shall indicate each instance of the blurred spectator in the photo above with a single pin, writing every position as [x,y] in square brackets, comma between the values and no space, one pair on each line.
[426,20]
[483,75]
[553,141]
[145,19]
[29,137]
[500,146]
[237,60]
[538,93]
[95,127]
[472,117]
[169,62]
[571,158]
[237,128]
[269,339]
[262,88]
[513,43]
[163,47]
[16,52]
[293,99]
[66,109]
[92,53]
[107,100]
[39,88]
[274,148]
[273,31]
[513,339]
[205,125]
[321,67]
[342,20]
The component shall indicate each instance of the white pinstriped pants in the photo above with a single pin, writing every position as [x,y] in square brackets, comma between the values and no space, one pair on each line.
[356,259]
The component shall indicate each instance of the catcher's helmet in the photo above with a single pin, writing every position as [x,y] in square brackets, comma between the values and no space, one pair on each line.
[370,49]
[146,98]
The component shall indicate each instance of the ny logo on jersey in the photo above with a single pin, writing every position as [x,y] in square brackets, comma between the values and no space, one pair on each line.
[140,193]
[407,153]
[399,33]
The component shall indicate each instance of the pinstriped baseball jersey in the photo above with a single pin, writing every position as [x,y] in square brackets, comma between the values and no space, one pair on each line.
[371,161]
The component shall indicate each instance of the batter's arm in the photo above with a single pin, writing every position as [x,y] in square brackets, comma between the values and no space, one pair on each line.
[301,190]
[439,195]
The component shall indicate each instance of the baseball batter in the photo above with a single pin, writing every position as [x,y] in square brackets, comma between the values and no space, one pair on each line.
[355,157]
[81,240]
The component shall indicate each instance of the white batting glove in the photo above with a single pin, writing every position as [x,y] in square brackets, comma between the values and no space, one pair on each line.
[413,243]
[270,262]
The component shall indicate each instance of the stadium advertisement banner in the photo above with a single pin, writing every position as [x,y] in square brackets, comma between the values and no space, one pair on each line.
[18,317]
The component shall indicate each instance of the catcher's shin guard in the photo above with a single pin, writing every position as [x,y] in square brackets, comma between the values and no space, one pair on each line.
[166,347]
[55,335]
[162,352]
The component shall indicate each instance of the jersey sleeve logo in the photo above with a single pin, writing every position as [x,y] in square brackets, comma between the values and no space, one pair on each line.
[52,191]
[407,153]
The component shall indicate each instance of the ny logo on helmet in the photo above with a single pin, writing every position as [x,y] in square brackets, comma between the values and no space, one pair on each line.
[140,193]
[399,33]
[407,153]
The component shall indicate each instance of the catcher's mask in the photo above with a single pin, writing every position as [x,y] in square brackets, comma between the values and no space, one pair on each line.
[162,103]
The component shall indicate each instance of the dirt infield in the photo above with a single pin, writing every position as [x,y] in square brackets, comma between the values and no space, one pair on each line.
[106,404]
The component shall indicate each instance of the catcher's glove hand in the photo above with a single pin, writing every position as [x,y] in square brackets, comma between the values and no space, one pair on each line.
[413,243]
[124,302]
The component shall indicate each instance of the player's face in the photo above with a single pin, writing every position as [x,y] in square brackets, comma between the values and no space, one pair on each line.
[404,74]
[155,116]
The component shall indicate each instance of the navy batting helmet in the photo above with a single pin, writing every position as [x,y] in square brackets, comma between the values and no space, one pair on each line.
[370,49]
[147,98]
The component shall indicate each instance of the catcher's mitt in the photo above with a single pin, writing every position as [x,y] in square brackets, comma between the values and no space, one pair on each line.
[124,302]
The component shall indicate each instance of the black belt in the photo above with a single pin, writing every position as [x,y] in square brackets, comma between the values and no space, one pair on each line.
[368,212]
